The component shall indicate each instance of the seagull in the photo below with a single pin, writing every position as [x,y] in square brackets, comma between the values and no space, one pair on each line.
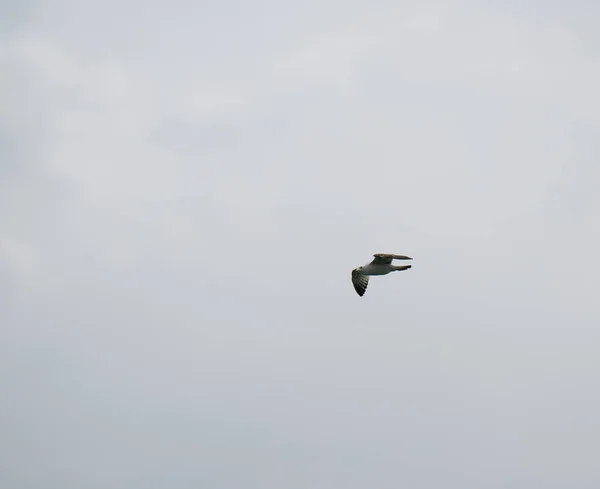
[381,265]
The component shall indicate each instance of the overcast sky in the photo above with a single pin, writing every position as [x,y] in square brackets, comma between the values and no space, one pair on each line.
[185,188]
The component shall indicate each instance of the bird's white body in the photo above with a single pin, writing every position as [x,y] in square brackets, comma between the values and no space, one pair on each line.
[371,269]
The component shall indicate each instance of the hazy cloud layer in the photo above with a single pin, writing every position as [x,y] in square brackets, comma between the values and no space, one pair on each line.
[184,189]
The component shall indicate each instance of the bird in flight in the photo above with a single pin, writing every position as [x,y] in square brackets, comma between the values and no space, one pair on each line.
[381,265]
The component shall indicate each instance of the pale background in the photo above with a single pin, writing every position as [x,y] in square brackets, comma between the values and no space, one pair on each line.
[185,188]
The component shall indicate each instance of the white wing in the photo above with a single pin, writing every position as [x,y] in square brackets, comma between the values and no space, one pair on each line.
[386,258]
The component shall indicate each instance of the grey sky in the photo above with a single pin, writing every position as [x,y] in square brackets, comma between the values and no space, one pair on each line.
[185,188]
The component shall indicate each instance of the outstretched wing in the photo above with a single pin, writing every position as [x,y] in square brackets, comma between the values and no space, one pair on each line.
[386,258]
[360,282]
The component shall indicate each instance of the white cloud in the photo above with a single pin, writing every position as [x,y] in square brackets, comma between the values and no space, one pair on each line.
[20,259]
